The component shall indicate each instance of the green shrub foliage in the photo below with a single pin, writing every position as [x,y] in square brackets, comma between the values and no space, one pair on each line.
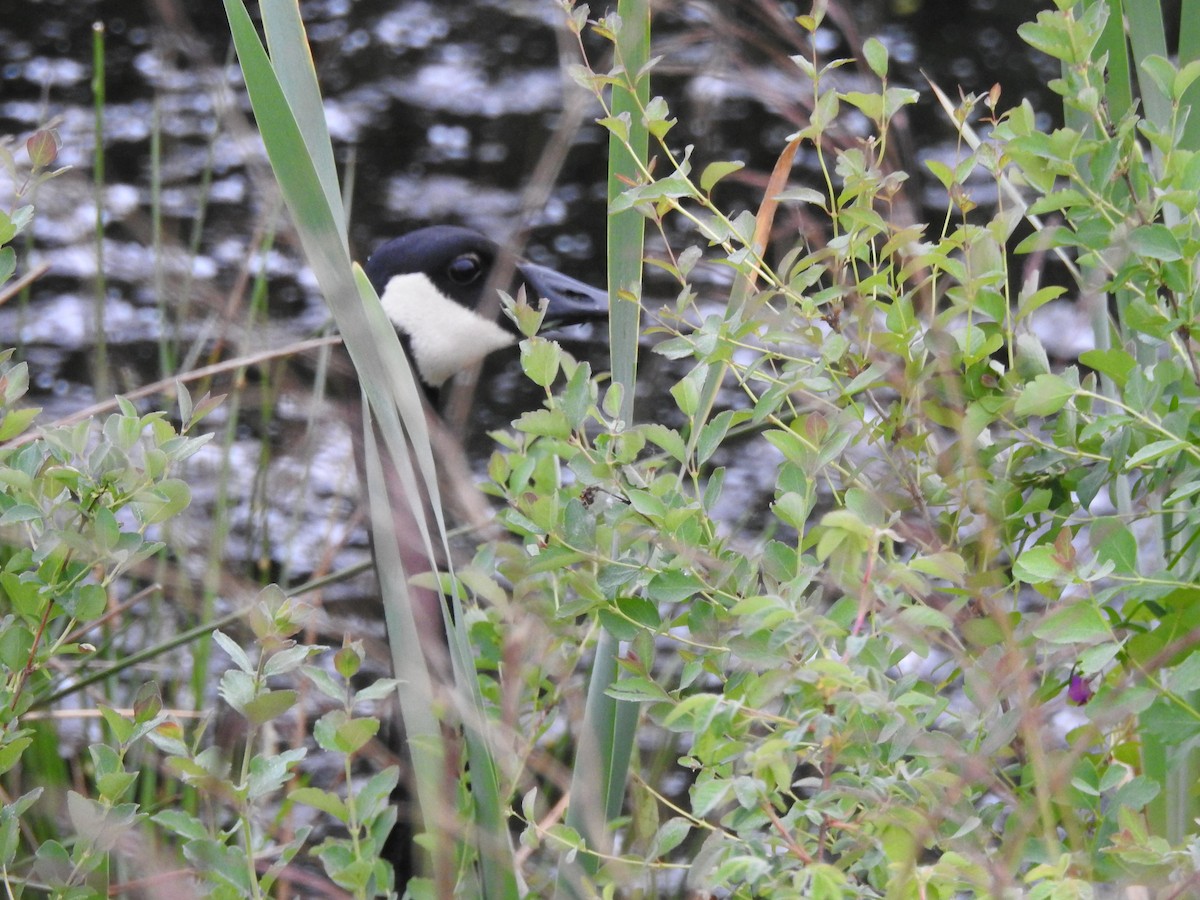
[951,654]
[956,659]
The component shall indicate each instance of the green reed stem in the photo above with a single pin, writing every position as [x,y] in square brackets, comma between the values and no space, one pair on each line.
[100,367]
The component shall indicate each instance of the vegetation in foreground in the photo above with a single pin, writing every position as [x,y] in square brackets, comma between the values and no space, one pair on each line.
[956,659]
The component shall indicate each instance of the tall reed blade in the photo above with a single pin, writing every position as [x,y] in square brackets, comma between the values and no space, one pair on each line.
[607,734]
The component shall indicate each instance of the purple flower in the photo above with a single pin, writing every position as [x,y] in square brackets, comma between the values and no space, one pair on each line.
[1079,691]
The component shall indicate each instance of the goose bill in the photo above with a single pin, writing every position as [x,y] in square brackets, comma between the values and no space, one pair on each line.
[568,300]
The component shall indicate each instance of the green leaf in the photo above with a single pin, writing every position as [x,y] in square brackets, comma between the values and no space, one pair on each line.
[1153,451]
[268,706]
[707,795]
[338,732]
[288,659]
[579,396]
[647,504]
[1117,545]
[712,434]
[925,618]
[672,833]
[269,773]
[11,750]
[225,863]
[1048,36]
[1184,80]
[792,508]
[380,689]
[656,117]
[1043,396]
[825,112]
[234,651]
[715,171]
[637,689]
[325,801]
[687,396]
[1185,677]
[346,661]
[1169,721]
[1162,72]
[876,55]
[579,526]
[670,187]
[1135,793]
[112,787]
[107,530]
[20,512]
[16,420]
[618,125]
[944,564]
[1155,242]
[941,172]
[540,360]
[1072,623]
[181,823]
[101,826]
[52,856]
[640,610]
[666,439]
[619,627]
[976,343]
[894,98]
[802,195]
[673,586]
[165,500]
[1058,200]
[373,798]
[870,105]
[544,422]
[121,727]
[1027,303]
[82,601]
[1113,362]
[1039,564]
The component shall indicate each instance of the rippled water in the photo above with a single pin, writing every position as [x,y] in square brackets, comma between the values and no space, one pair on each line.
[441,112]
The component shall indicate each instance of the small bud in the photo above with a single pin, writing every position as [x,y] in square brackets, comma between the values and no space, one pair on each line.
[42,147]
[347,661]
[148,702]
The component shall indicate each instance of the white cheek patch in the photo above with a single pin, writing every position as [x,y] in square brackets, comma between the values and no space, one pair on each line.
[445,337]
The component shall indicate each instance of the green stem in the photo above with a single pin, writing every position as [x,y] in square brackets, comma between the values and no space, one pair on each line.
[100,371]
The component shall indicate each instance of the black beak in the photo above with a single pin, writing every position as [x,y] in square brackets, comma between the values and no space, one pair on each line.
[568,301]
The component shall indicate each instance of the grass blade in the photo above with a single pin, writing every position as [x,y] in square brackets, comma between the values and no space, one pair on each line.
[288,48]
[284,92]
[1147,37]
[1120,85]
[426,748]
[320,233]
[607,734]
[1189,50]
[626,230]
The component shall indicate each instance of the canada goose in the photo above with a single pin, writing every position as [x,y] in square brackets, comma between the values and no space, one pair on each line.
[431,284]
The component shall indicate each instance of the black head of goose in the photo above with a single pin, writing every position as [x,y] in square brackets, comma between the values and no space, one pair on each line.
[431,284]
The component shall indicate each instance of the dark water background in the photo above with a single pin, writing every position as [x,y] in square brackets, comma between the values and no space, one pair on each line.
[441,112]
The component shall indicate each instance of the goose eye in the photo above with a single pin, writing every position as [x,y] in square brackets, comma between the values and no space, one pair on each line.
[465,269]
